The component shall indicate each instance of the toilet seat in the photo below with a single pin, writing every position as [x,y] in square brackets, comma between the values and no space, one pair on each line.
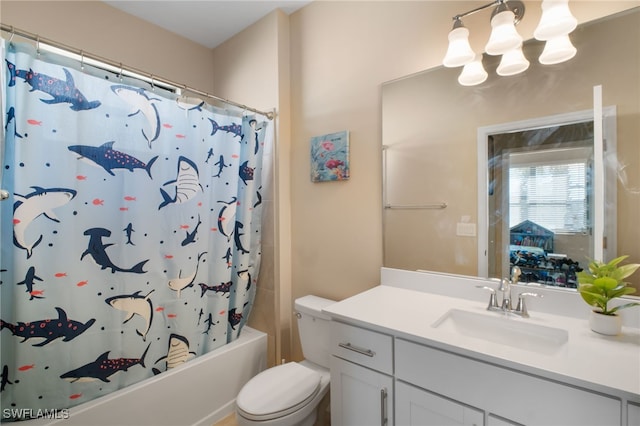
[278,391]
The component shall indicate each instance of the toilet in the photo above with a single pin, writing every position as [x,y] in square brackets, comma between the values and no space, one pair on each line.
[289,394]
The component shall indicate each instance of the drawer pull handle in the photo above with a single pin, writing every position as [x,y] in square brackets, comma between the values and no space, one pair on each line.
[349,346]
[383,407]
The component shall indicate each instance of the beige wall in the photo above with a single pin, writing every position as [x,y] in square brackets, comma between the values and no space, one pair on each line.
[341,54]
[107,32]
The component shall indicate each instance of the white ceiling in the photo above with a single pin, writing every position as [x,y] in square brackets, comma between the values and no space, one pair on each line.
[207,22]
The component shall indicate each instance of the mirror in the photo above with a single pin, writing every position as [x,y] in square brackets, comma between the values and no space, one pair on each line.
[545,202]
[431,158]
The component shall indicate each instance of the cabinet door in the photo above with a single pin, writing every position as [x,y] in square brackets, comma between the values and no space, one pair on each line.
[633,414]
[359,396]
[418,407]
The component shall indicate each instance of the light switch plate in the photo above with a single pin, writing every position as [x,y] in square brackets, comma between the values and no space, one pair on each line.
[466,229]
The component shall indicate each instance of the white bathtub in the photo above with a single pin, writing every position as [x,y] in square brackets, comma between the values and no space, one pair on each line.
[199,393]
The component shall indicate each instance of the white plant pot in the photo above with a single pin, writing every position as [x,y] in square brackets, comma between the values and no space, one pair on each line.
[610,325]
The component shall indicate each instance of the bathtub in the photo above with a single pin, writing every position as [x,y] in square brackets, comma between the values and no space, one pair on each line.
[199,393]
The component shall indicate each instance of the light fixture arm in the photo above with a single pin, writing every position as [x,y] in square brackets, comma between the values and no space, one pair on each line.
[477,9]
[516,6]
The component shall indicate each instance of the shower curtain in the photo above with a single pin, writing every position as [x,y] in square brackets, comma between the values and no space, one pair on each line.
[131,238]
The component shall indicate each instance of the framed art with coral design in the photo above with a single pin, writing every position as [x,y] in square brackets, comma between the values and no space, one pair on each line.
[330,157]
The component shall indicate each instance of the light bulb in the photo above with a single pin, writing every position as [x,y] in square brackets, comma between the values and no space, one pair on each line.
[459,51]
[504,36]
[556,50]
[513,62]
[473,73]
[556,20]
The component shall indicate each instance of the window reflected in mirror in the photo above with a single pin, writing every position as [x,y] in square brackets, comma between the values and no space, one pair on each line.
[541,195]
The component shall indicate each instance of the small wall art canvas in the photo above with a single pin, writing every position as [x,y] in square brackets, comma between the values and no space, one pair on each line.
[330,157]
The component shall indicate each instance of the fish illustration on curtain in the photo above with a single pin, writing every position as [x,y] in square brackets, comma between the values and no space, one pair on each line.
[133,226]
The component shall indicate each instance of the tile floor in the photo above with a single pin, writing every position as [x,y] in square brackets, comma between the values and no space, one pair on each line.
[230,420]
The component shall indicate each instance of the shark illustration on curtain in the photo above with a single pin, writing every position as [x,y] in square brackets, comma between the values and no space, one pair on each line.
[131,240]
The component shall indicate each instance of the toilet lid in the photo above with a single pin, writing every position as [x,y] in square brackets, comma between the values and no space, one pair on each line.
[278,391]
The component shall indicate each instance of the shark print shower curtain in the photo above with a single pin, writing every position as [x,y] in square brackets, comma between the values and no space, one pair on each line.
[131,238]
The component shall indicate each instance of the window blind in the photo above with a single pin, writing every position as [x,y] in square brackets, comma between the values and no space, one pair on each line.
[554,196]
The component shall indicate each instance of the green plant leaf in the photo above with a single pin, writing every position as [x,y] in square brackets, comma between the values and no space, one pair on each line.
[585,277]
[626,270]
[595,267]
[626,305]
[590,288]
[620,291]
[613,263]
[606,283]
[595,299]
[619,259]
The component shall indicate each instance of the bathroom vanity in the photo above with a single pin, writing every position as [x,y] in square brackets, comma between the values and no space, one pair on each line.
[414,352]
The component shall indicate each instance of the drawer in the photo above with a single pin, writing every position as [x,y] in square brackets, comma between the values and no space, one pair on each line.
[362,346]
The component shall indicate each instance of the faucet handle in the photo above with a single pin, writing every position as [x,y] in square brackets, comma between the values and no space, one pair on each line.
[493,300]
[515,274]
[521,308]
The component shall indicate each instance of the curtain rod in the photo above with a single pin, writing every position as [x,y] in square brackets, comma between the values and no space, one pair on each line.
[35,37]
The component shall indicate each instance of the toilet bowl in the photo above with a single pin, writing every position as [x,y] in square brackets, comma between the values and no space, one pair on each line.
[289,394]
[285,395]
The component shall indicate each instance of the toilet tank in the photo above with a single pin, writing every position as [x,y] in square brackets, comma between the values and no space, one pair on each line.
[313,328]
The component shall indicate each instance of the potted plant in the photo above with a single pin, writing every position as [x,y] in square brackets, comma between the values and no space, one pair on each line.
[599,285]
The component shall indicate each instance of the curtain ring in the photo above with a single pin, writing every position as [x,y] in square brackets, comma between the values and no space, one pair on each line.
[121,71]
[12,34]
[153,87]
[82,60]
[38,45]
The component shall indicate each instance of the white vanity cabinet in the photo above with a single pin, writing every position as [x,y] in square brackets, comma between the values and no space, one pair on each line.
[378,379]
[384,341]
[505,395]
[361,381]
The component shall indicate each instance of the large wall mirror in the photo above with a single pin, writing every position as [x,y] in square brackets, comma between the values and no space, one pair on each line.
[546,205]
[529,135]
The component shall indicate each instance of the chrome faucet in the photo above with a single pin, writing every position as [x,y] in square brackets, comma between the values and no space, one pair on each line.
[505,290]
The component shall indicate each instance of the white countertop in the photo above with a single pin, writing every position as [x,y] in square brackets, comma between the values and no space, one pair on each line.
[409,314]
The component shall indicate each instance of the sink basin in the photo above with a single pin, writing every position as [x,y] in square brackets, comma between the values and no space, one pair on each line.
[498,328]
